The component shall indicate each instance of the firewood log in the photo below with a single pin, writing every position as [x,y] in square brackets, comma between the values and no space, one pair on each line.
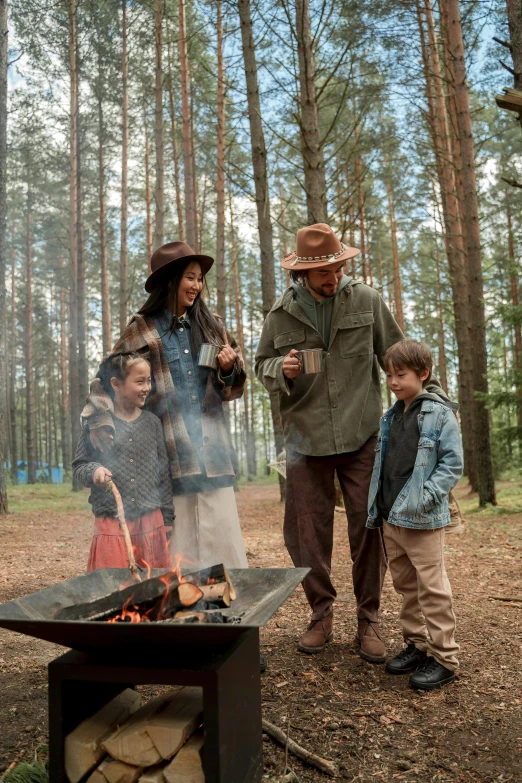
[153,774]
[155,736]
[119,772]
[187,764]
[83,746]
[97,776]
[189,594]
[219,593]
[131,743]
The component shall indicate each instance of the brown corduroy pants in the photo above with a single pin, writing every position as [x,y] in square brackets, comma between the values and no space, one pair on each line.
[309,520]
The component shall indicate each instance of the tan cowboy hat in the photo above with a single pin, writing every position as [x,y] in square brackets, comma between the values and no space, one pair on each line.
[317,246]
[164,258]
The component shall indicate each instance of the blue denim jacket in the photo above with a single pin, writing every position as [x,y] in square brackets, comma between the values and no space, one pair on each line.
[423,501]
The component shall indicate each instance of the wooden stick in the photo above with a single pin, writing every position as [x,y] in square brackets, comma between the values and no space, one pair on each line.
[505,598]
[111,487]
[328,767]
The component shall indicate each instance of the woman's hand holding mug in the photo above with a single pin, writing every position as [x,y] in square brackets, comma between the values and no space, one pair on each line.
[226,358]
[291,364]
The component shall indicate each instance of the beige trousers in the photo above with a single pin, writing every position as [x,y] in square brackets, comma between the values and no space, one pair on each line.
[206,531]
[416,561]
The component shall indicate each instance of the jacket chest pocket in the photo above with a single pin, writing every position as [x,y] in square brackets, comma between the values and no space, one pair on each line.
[172,356]
[284,342]
[355,334]
[424,451]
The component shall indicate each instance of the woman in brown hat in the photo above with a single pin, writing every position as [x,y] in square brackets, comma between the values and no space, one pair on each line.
[170,328]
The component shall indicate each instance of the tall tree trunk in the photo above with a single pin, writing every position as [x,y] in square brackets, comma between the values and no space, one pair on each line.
[3,216]
[105,301]
[313,159]
[443,372]
[28,346]
[148,216]
[194,165]
[64,392]
[12,377]
[74,382]
[83,372]
[444,144]
[190,216]
[240,336]
[264,223]
[360,197]
[397,287]
[175,154]
[481,422]
[515,301]
[221,280]
[159,190]
[124,294]
[514,12]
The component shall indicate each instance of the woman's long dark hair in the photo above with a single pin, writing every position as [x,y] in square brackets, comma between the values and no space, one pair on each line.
[204,326]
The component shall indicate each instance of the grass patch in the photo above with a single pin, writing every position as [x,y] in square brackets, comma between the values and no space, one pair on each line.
[509,499]
[28,772]
[26,498]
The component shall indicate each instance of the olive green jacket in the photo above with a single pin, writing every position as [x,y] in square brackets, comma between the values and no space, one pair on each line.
[339,409]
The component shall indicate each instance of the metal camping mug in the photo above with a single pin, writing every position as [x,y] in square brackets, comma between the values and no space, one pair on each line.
[207,356]
[312,360]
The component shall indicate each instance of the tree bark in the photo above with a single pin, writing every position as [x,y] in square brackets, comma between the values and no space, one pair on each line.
[148,216]
[28,347]
[397,287]
[444,146]
[3,260]
[190,217]
[515,301]
[64,393]
[360,198]
[12,377]
[159,190]
[221,280]
[514,13]
[175,154]
[124,294]
[313,159]
[105,301]
[264,223]
[481,422]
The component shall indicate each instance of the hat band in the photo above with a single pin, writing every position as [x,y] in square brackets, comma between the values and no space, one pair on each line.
[330,258]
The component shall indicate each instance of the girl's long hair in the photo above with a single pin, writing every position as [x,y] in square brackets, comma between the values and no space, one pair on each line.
[204,326]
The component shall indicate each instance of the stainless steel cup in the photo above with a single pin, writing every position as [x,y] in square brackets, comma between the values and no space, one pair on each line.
[312,360]
[207,356]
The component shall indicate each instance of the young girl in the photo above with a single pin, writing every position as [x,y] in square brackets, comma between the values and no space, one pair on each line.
[137,463]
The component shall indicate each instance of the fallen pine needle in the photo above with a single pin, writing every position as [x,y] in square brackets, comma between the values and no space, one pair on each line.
[328,767]
[505,598]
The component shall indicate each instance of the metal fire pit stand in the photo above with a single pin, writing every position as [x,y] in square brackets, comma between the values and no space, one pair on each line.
[80,684]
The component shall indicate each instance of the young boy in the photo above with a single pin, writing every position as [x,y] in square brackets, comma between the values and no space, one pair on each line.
[418,461]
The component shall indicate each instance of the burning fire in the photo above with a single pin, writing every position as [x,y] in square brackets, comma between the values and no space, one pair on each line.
[130,614]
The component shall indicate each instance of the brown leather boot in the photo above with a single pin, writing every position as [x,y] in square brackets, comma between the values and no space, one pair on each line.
[372,647]
[318,635]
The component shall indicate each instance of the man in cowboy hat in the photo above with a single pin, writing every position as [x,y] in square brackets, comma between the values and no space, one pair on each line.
[330,421]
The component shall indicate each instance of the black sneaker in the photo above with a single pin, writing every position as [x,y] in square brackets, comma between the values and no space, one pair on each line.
[431,675]
[407,661]
[262,664]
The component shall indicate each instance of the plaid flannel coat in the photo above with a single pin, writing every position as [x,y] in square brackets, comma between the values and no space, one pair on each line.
[141,335]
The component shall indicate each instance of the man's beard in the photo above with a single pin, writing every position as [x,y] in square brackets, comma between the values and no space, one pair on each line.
[319,290]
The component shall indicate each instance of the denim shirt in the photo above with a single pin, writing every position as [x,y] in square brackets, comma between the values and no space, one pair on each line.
[190,382]
[422,503]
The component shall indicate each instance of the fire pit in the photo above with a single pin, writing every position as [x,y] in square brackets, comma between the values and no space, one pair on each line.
[108,657]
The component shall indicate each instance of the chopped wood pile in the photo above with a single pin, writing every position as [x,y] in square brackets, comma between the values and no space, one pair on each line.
[130,742]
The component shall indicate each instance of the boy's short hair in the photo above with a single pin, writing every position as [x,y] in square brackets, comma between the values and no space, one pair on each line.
[410,355]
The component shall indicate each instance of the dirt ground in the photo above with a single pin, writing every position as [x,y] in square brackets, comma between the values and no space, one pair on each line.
[369,723]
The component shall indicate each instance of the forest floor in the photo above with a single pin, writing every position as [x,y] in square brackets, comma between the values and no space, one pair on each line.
[369,723]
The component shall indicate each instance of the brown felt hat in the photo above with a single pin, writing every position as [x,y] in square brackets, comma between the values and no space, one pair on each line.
[317,246]
[165,257]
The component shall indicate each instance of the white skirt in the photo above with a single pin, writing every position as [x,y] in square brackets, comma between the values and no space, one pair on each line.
[206,531]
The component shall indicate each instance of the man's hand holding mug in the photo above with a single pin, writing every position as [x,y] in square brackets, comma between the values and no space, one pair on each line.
[291,364]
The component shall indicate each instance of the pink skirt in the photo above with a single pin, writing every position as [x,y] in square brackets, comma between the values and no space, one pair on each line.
[149,541]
